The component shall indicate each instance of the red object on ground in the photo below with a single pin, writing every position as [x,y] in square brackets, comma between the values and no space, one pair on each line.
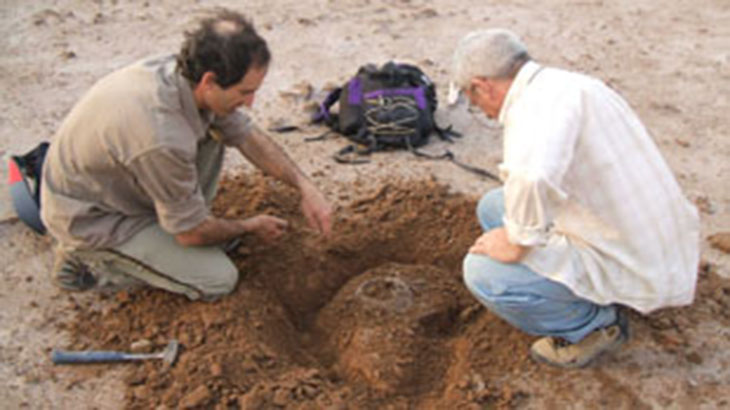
[14,174]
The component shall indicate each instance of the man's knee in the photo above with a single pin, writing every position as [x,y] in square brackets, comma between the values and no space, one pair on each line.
[476,273]
[490,209]
[220,282]
[487,278]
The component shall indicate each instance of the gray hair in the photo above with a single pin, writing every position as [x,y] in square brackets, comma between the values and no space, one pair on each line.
[493,53]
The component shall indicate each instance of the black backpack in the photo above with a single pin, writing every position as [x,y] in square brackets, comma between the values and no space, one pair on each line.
[390,107]
[24,179]
[387,107]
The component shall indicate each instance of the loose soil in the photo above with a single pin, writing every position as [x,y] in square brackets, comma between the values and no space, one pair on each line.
[375,317]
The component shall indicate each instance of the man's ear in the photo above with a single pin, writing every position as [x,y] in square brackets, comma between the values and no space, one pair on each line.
[479,85]
[482,85]
[208,80]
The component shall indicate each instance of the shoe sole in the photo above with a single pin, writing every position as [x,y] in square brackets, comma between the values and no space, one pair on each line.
[71,288]
[623,324]
[582,363]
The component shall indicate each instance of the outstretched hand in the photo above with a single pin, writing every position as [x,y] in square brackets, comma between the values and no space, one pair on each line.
[268,228]
[316,209]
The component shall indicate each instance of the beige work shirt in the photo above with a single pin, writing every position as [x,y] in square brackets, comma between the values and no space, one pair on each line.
[125,157]
[586,187]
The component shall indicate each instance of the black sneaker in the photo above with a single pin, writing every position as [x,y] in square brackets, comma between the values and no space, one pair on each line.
[74,276]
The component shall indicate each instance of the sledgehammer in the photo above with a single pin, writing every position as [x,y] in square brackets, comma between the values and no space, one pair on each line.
[168,356]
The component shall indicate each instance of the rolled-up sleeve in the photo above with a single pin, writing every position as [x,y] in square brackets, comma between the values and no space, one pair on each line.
[234,127]
[170,179]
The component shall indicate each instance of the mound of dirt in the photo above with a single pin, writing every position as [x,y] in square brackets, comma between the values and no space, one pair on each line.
[374,317]
[387,326]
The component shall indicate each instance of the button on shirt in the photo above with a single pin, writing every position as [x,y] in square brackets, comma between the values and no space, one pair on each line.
[586,187]
[125,157]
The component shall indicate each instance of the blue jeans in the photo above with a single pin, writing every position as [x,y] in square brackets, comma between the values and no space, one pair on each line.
[525,299]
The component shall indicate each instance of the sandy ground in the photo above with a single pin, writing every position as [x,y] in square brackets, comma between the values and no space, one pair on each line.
[671,60]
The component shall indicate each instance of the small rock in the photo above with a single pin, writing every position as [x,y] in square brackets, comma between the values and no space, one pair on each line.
[216,369]
[302,90]
[720,241]
[281,397]
[682,143]
[212,318]
[98,18]
[123,296]
[252,400]
[306,22]
[44,16]
[694,358]
[671,340]
[427,13]
[137,378]
[233,212]
[197,397]
[310,107]
[704,205]
[141,345]
[309,391]
[141,392]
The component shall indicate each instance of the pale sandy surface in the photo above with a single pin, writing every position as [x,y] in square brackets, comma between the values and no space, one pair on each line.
[671,60]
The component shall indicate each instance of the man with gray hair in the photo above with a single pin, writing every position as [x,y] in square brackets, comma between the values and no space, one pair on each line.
[589,218]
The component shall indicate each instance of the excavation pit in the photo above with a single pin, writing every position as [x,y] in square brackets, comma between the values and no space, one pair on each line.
[376,316]
[363,315]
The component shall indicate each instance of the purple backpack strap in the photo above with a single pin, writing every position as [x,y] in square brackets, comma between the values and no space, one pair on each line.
[323,113]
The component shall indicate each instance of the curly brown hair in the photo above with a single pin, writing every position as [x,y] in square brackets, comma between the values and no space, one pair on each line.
[227,45]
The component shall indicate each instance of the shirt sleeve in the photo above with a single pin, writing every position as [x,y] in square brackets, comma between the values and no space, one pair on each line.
[539,147]
[234,127]
[170,178]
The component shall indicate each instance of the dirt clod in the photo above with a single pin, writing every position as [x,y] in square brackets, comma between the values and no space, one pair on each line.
[720,241]
[197,397]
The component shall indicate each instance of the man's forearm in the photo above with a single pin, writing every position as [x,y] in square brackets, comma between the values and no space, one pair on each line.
[266,155]
[270,158]
[212,231]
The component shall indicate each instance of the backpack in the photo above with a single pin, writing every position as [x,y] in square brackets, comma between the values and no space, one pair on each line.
[387,107]
[24,178]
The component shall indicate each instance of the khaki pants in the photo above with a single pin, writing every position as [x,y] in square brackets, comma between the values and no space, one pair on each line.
[153,256]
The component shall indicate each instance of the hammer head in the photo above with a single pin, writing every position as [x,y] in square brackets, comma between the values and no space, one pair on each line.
[170,354]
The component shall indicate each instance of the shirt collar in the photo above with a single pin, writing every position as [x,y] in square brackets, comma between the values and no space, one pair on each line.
[199,119]
[522,79]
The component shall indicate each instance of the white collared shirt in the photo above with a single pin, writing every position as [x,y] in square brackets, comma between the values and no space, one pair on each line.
[587,188]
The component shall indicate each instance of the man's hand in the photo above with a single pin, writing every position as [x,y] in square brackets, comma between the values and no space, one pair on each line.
[497,246]
[316,209]
[269,157]
[268,228]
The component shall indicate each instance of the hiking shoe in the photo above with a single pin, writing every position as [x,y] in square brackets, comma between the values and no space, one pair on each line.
[559,352]
[73,275]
